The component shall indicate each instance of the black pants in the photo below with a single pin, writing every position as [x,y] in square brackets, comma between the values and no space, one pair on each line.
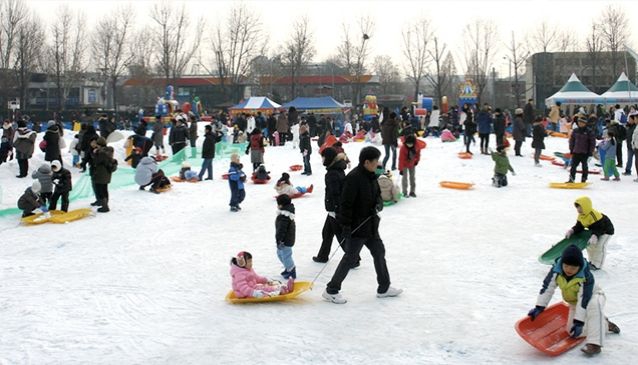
[577,159]
[485,141]
[499,140]
[499,180]
[468,141]
[331,228]
[619,153]
[353,248]
[24,167]
[282,138]
[178,147]
[54,200]
[517,147]
[46,197]
[102,192]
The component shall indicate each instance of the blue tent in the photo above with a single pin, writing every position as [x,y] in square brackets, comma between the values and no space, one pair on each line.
[255,104]
[323,104]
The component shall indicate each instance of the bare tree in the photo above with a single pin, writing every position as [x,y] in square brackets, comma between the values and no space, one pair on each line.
[12,14]
[517,57]
[354,52]
[29,43]
[298,52]
[614,28]
[440,75]
[235,45]
[415,50]
[480,46]
[110,46]
[177,43]
[141,69]
[567,41]
[544,38]
[389,74]
[595,44]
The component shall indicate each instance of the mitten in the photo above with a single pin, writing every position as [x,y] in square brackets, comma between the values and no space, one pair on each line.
[535,312]
[569,233]
[577,329]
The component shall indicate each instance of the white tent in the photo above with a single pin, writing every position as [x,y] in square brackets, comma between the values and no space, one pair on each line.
[574,92]
[622,92]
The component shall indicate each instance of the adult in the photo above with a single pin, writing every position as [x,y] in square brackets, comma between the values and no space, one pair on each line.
[554,115]
[178,135]
[359,204]
[634,144]
[499,127]
[24,143]
[256,148]
[282,128]
[620,133]
[581,145]
[631,127]
[145,171]
[469,127]
[208,151]
[312,124]
[272,128]
[528,117]
[484,121]
[158,135]
[518,131]
[619,114]
[52,138]
[8,132]
[103,167]
[192,131]
[105,125]
[85,147]
[389,138]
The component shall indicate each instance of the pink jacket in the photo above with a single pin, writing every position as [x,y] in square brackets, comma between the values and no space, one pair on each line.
[244,281]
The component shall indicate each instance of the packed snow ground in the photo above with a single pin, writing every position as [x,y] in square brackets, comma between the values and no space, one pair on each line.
[145,283]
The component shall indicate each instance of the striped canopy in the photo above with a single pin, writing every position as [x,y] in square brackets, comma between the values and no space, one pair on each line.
[255,103]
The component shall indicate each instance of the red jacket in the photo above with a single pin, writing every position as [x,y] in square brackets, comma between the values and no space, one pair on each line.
[404,163]
[256,142]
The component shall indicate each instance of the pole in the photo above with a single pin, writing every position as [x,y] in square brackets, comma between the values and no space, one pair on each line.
[627,71]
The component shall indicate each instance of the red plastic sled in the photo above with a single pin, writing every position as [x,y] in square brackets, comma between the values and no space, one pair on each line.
[259,181]
[548,332]
[465,155]
[225,176]
[296,167]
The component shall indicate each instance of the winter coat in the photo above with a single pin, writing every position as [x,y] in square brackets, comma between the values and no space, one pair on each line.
[597,223]
[103,165]
[208,148]
[582,141]
[8,133]
[634,139]
[360,202]
[434,118]
[145,170]
[29,201]
[409,157]
[73,147]
[192,131]
[631,128]
[285,188]
[24,143]
[390,132]
[236,176]
[245,281]
[63,180]
[85,144]
[484,121]
[501,163]
[106,127]
[158,134]
[304,143]
[52,137]
[334,179]
[518,129]
[528,113]
[45,177]
[499,124]
[285,229]
[554,114]
[538,136]
[389,190]
[282,124]
[576,290]
[608,148]
[618,130]
[178,135]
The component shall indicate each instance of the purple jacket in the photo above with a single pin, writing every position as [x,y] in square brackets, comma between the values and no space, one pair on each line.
[582,141]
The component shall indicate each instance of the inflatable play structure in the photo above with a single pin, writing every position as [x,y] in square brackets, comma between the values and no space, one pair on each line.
[370,107]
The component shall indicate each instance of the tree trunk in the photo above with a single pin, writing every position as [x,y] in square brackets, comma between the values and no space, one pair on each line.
[114,93]
[416,89]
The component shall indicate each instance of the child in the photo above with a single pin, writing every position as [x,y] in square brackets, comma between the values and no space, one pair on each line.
[538,135]
[389,190]
[409,156]
[261,173]
[284,186]
[135,156]
[74,151]
[186,174]
[586,300]
[241,137]
[247,284]
[236,178]
[44,176]
[447,136]
[31,200]
[256,148]
[608,150]
[5,149]
[63,184]
[285,231]
[501,165]
[600,227]
[306,149]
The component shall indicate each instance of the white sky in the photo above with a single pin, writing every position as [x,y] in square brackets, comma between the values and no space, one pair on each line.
[448,17]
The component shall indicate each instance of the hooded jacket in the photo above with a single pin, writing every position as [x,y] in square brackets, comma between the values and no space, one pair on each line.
[45,177]
[29,201]
[409,157]
[24,142]
[244,281]
[582,141]
[52,137]
[598,223]
[285,229]
[334,179]
[145,170]
[64,180]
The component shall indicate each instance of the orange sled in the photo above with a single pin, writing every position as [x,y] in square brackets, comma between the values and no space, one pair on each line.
[558,134]
[548,332]
[178,179]
[296,167]
[465,155]
[456,185]
[547,158]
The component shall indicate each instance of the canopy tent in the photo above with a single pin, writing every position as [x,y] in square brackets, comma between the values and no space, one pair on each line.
[574,92]
[255,104]
[323,104]
[622,92]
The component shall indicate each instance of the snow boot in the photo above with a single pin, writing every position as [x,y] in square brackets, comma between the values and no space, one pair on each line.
[104,208]
[97,203]
[612,327]
[319,259]
[391,292]
[310,189]
[234,209]
[591,349]
[290,274]
[334,298]
[413,195]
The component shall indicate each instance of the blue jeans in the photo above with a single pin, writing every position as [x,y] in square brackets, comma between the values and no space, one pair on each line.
[76,159]
[306,164]
[207,165]
[389,147]
[630,160]
[236,195]
[285,256]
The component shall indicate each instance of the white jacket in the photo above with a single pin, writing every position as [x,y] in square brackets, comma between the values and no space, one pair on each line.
[634,139]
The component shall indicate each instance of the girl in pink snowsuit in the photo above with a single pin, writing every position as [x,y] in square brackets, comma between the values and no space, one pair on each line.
[246,282]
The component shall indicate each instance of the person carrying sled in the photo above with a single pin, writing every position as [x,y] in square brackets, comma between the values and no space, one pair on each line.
[248,284]
[599,225]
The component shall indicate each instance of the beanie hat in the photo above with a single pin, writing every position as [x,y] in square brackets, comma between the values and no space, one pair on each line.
[50,123]
[185,164]
[36,187]
[572,256]
[283,200]
[56,165]
[329,154]
[101,141]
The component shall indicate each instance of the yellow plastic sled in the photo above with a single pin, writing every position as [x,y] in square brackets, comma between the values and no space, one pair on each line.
[300,288]
[57,216]
[557,185]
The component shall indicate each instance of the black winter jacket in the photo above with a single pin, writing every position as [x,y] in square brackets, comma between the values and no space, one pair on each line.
[360,200]
[29,201]
[538,136]
[208,148]
[64,182]
[304,143]
[285,228]
[178,135]
[52,151]
[599,228]
[335,178]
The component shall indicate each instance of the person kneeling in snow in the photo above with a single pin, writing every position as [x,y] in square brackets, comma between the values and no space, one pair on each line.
[147,173]
[600,227]
[246,282]
[31,200]
[284,186]
[501,166]
[586,300]
[389,189]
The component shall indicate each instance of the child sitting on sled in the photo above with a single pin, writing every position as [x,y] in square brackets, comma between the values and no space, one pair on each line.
[247,284]
[284,186]
[600,227]
[389,189]
[501,166]
[186,174]
[586,300]
[261,173]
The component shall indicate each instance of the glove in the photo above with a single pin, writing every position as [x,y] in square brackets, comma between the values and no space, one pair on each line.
[513,173]
[569,233]
[593,240]
[577,329]
[258,294]
[535,312]
[44,209]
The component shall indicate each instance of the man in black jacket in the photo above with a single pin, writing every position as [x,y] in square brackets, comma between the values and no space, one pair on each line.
[360,201]
[208,152]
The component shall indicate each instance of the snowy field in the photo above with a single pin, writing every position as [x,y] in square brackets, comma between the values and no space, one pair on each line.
[145,283]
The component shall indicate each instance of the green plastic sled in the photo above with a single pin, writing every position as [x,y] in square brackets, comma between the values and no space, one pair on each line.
[580,240]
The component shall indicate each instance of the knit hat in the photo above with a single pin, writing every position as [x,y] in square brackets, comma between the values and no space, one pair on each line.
[572,256]
[36,187]
[56,165]
[242,257]
[50,123]
[101,141]
[518,111]
[185,164]
[329,155]
[283,200]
